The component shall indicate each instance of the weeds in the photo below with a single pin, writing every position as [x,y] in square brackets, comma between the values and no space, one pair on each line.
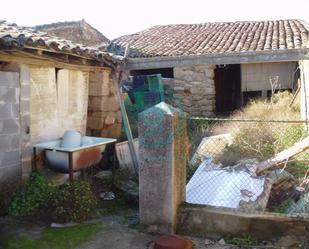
[31,197]
[241,241]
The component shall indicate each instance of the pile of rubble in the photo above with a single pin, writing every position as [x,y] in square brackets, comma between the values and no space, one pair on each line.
[249,185]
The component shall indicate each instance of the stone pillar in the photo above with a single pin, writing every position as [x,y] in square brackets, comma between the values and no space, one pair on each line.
[26,148]
[163,150]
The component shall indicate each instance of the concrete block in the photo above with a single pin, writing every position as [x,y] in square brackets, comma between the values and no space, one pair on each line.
[4,143]
[10,176]
[5,110]
[25,91]
[26,169]
[10,158]
[9,126]
[26,151]
[9,79]
[8,94]
[24,75]
[14,141]
[15,110]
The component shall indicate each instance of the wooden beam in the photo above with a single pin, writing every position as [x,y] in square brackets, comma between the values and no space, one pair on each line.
[31,59]
[282,157]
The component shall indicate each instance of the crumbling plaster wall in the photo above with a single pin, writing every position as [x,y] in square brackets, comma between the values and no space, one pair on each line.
[193,89]
[104,117]
[58,102]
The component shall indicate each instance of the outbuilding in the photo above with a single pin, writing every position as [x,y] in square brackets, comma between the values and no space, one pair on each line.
[219,67]
[49,85]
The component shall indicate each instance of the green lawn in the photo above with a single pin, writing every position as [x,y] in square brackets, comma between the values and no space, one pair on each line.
[57,238]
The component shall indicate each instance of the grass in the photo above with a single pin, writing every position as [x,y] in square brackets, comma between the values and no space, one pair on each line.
[241,241]
[282,207]
[57,238]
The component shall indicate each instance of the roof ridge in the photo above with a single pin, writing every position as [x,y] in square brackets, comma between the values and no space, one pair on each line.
[57,24]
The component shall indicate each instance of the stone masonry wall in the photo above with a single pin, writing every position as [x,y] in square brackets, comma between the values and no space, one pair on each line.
[104,117]
[195,88]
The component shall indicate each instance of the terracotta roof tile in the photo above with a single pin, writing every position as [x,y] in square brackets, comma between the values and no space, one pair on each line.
[13,36]
[226,37]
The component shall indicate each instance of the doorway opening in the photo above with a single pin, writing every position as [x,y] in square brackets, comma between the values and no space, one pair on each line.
[228,88]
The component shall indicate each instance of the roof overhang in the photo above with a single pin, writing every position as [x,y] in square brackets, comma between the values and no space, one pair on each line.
[219,58]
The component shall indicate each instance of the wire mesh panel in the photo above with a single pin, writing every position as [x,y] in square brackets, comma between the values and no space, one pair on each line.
[249,165]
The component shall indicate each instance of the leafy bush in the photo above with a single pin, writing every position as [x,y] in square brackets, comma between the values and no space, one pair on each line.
[31,197]
[74,201]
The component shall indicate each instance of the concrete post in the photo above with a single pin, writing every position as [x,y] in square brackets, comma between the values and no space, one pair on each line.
[163,148]
[304,90]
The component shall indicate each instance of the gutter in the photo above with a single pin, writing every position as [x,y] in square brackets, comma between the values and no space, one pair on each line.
[218,58]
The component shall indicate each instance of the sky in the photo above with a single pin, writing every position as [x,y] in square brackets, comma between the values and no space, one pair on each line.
[115,18]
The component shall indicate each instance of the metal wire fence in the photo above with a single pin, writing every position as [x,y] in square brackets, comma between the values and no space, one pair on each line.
[249,165]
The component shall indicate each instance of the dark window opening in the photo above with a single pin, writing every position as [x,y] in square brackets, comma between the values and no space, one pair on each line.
[228,88]
[165,72]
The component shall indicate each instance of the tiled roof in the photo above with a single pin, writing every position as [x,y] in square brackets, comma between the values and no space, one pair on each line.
[212,38]
[17,37]
[76,31]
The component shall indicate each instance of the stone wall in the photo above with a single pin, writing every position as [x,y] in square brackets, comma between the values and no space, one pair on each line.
[10,151]
[194,89]
[104,117]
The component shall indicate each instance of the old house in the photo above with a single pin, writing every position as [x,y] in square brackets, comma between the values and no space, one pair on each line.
[76,31]
[218,67]
[49,85]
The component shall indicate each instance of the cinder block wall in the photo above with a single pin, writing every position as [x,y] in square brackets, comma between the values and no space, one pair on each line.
[10,150]
[194,89]
[104,117]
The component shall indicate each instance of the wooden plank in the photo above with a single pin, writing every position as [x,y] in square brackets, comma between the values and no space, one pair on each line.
[127,127]
[282,157]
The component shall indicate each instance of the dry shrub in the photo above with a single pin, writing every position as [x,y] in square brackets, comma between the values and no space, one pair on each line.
[261,140]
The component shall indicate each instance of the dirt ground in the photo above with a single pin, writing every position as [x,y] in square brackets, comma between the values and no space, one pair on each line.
[115,235]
